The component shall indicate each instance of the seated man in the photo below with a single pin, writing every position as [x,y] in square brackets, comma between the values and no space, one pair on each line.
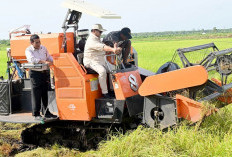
[94,56]
[36,53]
[121,38]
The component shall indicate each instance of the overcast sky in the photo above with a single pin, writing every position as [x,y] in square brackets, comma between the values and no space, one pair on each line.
[139,15]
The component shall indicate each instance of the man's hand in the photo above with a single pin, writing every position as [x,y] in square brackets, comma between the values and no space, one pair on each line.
[45,62]
[48,63]
[117,50]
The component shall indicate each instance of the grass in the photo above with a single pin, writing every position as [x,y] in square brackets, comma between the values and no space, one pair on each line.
[212,137]
[9,137]
[54,151]
[3,59]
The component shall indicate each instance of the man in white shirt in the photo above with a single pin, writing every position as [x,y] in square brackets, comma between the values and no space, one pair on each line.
[36,53]
[94,56]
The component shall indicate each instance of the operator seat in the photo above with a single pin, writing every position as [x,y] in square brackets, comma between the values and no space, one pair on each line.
[90,71]
[80,57]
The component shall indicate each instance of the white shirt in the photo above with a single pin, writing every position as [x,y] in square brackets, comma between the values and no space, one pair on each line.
[35,55]
[94,50]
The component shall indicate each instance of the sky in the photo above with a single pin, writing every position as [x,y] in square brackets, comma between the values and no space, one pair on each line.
[139,15]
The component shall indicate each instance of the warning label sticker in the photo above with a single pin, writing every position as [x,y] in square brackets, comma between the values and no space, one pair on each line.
[94,84]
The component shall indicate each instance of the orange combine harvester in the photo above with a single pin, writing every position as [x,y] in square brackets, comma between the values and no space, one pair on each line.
[138,95]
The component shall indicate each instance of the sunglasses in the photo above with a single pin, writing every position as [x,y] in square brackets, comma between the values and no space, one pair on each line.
[99,31]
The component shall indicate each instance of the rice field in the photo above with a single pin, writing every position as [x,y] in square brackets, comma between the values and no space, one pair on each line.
[3,60]
[212,137]
[153,54]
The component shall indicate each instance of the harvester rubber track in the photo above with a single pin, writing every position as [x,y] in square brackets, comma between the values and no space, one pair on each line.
[69,134]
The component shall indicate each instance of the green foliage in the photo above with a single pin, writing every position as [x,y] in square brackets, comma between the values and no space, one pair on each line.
[153,54]
[3,60]
[5,42]
[194,34]
[209,138]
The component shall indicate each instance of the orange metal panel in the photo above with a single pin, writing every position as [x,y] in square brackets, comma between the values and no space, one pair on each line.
[73,82]
[63,61]
[122,84]
[227,97]
[53,42]
[174,80]
[67,71]
[76,91]
[190,109]
[73,109]
[70,93]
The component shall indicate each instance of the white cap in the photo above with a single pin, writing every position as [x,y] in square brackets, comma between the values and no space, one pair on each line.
[98,27]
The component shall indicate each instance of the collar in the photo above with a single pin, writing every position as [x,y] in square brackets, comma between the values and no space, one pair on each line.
[32,47]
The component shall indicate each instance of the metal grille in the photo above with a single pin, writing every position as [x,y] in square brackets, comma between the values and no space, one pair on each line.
[4,98]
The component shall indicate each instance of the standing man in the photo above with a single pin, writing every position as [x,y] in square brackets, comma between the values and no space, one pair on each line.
[94,56]
[38,54]
[121,38]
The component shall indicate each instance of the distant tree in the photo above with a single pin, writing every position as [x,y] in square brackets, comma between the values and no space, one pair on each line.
[5,42]
[215,29]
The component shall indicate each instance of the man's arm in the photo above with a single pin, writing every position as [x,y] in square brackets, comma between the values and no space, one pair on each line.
[45,62]
[115,50]
[49,59]
[102,47]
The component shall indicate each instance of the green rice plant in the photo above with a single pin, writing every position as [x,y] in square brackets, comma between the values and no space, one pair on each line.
[153,54]
[213,138]
[3,60]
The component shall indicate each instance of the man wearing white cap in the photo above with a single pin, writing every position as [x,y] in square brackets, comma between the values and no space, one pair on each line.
[94,55]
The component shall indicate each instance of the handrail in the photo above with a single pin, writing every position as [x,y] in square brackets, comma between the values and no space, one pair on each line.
[108,65]
[83,68]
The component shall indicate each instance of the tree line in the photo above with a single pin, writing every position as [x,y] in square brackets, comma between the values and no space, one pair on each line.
[165,34]
[182,33]
[5,42]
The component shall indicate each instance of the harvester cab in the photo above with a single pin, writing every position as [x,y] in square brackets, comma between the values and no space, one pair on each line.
[138,95]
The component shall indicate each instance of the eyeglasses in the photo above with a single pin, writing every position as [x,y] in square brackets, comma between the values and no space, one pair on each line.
[99,31]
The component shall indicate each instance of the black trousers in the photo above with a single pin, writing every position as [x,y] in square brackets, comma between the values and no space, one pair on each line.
[39,85]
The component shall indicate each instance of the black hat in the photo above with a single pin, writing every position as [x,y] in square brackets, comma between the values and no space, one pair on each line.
[127,32]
